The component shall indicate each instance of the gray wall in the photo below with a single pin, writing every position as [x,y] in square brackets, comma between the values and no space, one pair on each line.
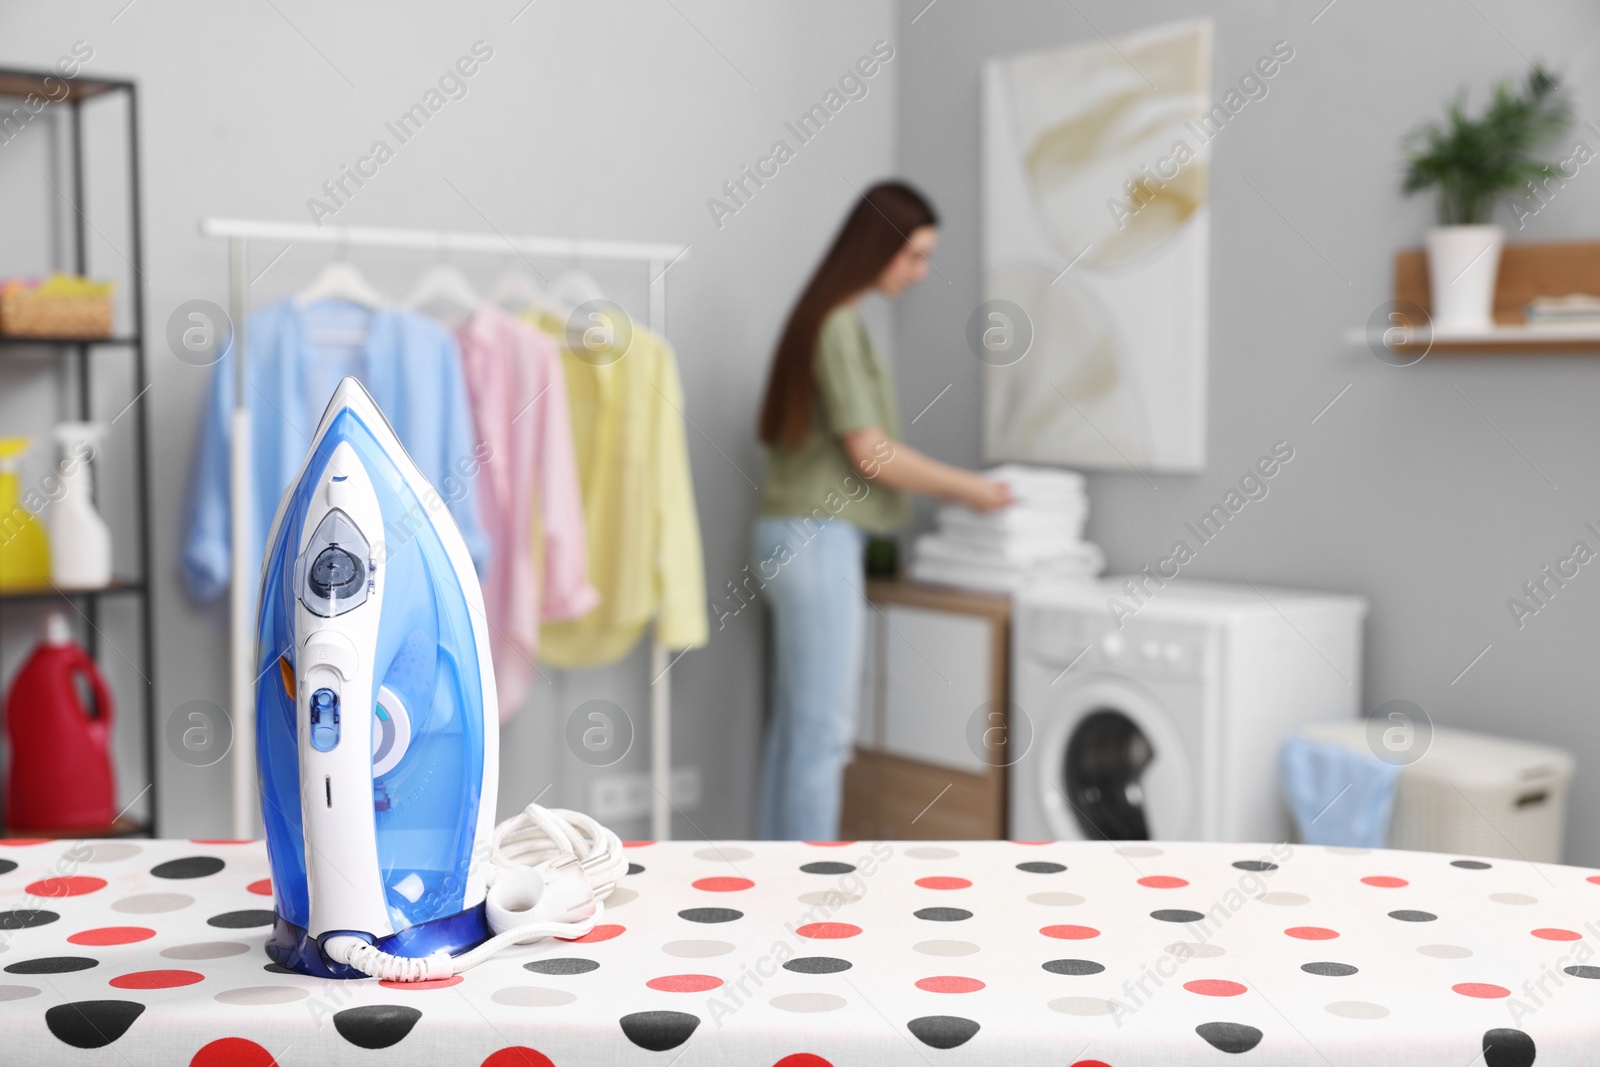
[616,121]
[1435,491]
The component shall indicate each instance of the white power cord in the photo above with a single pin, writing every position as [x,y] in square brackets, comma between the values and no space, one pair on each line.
[549,872]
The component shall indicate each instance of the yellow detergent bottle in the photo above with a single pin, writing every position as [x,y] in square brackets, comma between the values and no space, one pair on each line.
[24,545]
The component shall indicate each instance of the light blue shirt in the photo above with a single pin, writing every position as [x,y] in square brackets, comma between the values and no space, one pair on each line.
[411,366]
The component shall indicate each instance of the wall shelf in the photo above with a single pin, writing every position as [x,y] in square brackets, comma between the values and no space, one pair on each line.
[48,342]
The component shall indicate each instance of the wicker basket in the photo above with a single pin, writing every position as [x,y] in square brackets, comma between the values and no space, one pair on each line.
[26,312]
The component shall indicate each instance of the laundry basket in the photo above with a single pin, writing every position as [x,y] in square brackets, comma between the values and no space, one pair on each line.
[1473,794]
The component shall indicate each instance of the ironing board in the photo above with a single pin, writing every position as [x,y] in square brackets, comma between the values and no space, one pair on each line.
[808,955]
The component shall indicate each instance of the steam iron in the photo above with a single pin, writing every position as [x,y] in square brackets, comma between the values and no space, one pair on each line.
[377,733]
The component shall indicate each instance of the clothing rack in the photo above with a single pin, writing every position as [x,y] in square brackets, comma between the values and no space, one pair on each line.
[239,233]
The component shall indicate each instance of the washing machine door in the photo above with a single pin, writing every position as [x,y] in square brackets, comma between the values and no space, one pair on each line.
[1115,766]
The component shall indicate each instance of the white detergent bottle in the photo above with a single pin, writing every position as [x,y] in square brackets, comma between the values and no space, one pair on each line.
[80,540]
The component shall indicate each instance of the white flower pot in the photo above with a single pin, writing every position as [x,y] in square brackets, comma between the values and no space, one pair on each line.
[1463,263]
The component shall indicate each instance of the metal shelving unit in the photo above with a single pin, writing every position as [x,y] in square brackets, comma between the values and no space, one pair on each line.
[82,353]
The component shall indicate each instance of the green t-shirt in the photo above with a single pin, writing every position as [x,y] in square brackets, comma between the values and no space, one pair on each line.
[854,391]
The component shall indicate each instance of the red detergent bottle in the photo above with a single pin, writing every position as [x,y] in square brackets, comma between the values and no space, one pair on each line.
[58,723]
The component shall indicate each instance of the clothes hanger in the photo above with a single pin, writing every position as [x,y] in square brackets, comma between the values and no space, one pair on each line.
[574,288]
[516,291]
[445,288]
[340,280]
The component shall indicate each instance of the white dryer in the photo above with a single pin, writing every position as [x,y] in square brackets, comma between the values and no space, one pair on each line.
[1165,723]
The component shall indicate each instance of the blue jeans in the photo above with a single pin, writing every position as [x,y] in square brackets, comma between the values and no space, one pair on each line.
[814,579]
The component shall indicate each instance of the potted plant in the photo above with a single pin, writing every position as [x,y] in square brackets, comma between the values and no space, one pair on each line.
[1473,161]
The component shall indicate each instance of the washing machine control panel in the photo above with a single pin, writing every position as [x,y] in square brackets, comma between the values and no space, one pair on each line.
[1086,639]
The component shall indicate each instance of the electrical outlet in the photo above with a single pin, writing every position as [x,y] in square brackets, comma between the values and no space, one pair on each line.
[616,797]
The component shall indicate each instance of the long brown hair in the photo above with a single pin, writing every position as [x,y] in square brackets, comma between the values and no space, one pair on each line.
[874,233]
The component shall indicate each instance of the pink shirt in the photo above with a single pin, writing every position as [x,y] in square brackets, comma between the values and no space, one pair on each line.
[529,482]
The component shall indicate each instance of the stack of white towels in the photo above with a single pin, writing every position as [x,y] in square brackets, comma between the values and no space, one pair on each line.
[1037,539]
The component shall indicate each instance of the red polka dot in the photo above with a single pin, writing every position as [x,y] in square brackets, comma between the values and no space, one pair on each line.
[1070,933]
[1033,842]
[684,983]
[1594,879]
[518,1056]
[1091,1063]
[233,1052]
[263,888]
[73,886]
[1214,987]
[112,935]
[1384,881]
[1312,933]
[828,931]
[829,844]
[21,842]
[803,1059]
[603,932]
[724,884]
[157,979]
[1162,881]
[431,983]
[949,983]
[1551,933]
[637,844]
[220,841]
[1481,990]
[941,881]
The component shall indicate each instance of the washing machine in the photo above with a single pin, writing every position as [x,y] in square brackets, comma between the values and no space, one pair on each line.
[1156,712]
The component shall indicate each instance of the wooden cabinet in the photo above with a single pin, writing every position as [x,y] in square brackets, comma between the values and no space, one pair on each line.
[930,749]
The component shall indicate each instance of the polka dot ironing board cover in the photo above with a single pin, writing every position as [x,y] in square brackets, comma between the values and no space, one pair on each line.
[787,954]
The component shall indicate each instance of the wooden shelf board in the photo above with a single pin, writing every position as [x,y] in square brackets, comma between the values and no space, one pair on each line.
[48,83]
[118,586]
[14,339]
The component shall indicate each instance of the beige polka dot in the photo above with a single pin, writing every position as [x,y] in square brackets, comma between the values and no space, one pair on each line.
[1445,952]
[1055,900]
[152,903]
[1513,898]
[931,852]
[1140,851]
[830,898]
[619,897]
[532,996]
[111,851]
[262,994]
[17,992]
[1195,950]
[1357,1009]
[696,950]
[807,1002]
[205,950]
[725,854]
[1083,1006]
[1285,900]
[945,948]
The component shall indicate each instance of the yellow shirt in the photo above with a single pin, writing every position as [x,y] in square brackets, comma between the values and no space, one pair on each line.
[638,503]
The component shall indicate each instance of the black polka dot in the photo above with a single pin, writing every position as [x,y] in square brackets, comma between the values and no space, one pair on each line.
[1255,865]
[1507,1048]
[277,968]
[1472,865]
[24,918]
[375,1025]
[942,1031]
[562,965]
[708,915]
[658,1031]
[1177,915]
[241,920]
[634,868]
[7,866]
[1329,970]
[828,867]
[1584,972]
[1229,1037]
[1034,867]
[52,965]
[943,915]
[92,1023]
[188,867]
[1073,967]
[817,965]
[1407,916]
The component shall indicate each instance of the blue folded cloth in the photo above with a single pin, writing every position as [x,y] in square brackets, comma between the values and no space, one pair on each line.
[1339,796]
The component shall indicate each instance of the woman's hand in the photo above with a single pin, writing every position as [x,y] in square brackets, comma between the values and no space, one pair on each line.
[985,494]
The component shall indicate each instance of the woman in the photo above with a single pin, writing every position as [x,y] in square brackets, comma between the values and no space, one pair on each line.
[836,472]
